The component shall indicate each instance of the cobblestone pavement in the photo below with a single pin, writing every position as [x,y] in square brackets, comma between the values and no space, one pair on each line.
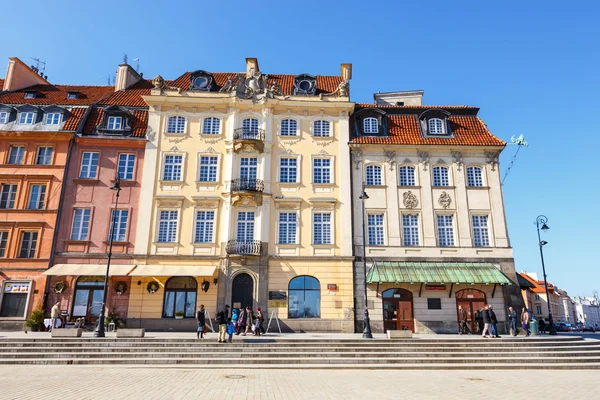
[83,382]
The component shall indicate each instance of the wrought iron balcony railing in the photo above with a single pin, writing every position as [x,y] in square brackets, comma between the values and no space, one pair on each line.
[244,247]
[247,185]
[249,134]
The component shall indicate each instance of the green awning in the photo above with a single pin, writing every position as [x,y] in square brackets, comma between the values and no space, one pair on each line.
[435,272]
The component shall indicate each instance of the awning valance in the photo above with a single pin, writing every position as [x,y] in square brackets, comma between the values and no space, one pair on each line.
[88,269]
[173,270]
[435,272]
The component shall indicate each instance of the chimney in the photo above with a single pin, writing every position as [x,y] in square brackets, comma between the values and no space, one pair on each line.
[20,76]
[251,66]
[126,77]
[409,98]
[533,275]
[346,72]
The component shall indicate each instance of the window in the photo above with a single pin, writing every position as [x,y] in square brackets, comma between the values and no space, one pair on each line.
[321,128]
[28,244]
[16,154]
[119,217]
[434,304]
[26,118]
[370,125]
[180,297]
[474,176]
[37,197]
[44,156]
[89,166]
[304,298]
[71,96]
[204,226]
[81,224]
[211,126]
[288,223]
[14,299]
[3,239]
[436,126]
[289,127]
[410,229]
[250,126]
[407,176]
[7,196]
[248,168]
[208,168]
[321,170]
[375,229]
[373,173]
[440,176]
[481,233]
[537,297]
[53,118]
[114,123]
[445,230]
[176,124]
[3,117]
[245,226]
[288,170]
[29,95]
[538,309]
[167,226]
[322,228]
[126,164]
[173,167]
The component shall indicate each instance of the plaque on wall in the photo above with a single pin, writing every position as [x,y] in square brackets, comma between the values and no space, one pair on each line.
[277,295]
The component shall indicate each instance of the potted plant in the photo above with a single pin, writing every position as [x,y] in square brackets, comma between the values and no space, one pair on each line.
[36,321]
[179,315]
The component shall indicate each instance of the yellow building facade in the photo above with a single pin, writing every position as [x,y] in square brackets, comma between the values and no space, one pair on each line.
[246,200]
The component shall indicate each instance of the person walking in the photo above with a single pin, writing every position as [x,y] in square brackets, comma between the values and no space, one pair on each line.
[54,315]
[230,329]
[235,313]
[462,321]
[241,323]
[542,325]
[249,320]
[525,322]
[260,320]
[494,325]
[479,318]
[222,321]
[201,318]
[512,316]
[487,322]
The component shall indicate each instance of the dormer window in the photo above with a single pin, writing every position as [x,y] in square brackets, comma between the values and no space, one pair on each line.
[29,95]
[26,118]
[435,122]
[53,119]
[72,96]
[114,123]
[371,122]
[305,84]
[436,126]
[370,125]
[3,117]
[201,80]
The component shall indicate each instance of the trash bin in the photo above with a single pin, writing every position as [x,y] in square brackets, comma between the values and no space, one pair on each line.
[533,327]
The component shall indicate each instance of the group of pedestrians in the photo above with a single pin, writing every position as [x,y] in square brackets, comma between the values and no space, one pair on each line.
[487,322]
[525,318]
[240,322]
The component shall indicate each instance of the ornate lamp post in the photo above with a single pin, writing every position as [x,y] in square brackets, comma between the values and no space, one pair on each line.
[99,331]
[367,323]
[540,223]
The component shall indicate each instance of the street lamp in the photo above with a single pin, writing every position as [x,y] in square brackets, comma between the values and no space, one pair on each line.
[99,331]
[367,323]
[540,223]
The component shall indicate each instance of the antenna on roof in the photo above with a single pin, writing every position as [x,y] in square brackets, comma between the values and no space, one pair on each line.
[125,58]
[137,64]
[39,67]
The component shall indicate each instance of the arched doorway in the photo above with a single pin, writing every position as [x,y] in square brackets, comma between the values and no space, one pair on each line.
[242,291]
[304,297]
[89,291]
[471,300]
[398,310]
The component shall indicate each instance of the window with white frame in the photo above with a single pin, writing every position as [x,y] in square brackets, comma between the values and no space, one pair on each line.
[410,229]
[126,166]
[7,196]
[375,229]
[120,218]
[208,169]
[288,169]
[53,118]
[289,127]
[167,226]
[248,168]
[3,117]
[28,244]
[205,226]
[245,226]
[173,167]
[211,126]
[72,96]
[37,197]
[436,126]
[114,123]
[3,240]
[445,226]
[538,308]
[250,126]
[44,155]
[321,170]
[370,125]
[176,124]
[16,154]
[89,165]
[26,118]
[288,223]
[321,128]
[537,297]
[322,228]
[373,175]
[474,176]
[481,232]
[440,176]
[81,224]
[407,176]
[29,95]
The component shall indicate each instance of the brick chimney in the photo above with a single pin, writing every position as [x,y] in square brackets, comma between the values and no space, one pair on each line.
[346,71]
[126,77]
[251,65]
[20,76]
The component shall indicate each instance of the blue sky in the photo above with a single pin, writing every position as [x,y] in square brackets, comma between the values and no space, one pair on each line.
[532,67]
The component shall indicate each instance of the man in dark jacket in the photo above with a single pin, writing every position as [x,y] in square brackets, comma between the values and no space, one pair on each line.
[201,317]
[487,321]
[494,324]
[512,316]
[222,321]
[462,321]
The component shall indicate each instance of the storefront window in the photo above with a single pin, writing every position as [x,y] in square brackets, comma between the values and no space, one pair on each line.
[180,296]
[304,299]
[14,299]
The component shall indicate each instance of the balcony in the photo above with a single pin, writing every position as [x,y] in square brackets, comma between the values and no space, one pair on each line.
[244,247]
[247,185]
[248,137]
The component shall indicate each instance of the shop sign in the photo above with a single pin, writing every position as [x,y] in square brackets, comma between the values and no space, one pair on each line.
[16,287]
[331,286]
[277,303]
[277,295]
[435,287]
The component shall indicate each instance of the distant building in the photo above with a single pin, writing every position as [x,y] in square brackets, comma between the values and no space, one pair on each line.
[588,310]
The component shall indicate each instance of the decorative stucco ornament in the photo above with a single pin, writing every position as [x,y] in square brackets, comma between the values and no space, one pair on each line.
[491,157]
[457,158]
[158,82]
[343,90]
[410,200]
[390,158]
[357,156]
[424,159]
[445,200]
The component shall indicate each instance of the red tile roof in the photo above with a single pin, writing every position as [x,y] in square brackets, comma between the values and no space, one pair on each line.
[131,97]
[74,119]
[139,122]
[1,84]
[57,95]
[538,285]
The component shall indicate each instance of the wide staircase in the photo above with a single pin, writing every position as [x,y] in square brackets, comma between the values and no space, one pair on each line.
[418,353]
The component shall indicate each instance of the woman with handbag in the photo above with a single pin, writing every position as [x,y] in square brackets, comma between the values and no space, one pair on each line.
[241,322]
[201,317]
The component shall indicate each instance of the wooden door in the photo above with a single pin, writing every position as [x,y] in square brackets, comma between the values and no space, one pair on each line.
[398,310]
[405,319]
